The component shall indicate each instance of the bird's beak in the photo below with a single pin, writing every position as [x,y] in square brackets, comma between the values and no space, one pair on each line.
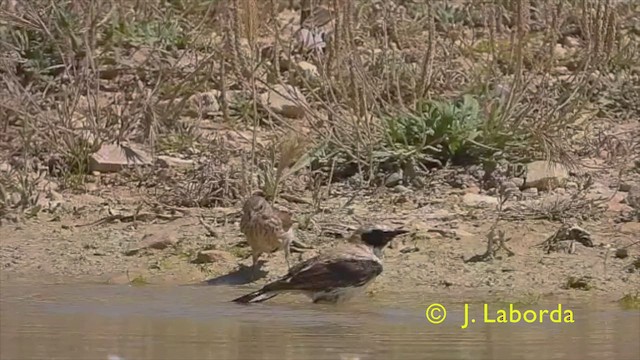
[389,235]
[393,233]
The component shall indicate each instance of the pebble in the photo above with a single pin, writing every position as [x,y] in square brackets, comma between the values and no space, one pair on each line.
[622,253]
[570,185]
[519,182]
[401,189]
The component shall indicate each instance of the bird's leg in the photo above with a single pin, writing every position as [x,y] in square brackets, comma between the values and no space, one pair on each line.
[287,254]
[287,240]
[300,245]
[254,268]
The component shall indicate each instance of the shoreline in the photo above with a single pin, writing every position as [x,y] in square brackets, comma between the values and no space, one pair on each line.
[426,263]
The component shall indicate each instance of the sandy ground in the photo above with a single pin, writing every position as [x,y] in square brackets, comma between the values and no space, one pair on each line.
[66,242]
[446,231]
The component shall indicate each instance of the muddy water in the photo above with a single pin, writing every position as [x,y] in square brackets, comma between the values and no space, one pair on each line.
[197,322]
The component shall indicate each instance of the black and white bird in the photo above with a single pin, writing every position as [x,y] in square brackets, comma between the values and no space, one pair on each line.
[336,275]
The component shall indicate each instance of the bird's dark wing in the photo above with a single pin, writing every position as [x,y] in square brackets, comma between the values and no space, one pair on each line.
[301,265]
[328,274]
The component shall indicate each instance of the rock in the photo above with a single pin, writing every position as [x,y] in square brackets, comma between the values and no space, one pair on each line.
[471,199]
[46,185]
[570,185]
[5,167]
[634,266]
[401,189]
[15,198]
[44,203]
[519,182]
[157,241]
[92,179]
[205,103]
[531,192]
[55,196]
[509,188]
[544,175]
[173,162]
[140,56]
[213,256]
[473,189]
[616,203]
[579,283]
[626,186]
[19,163]
[559,52]
[459,233]
[393,179]
[599,191]
[268,52]
[409,249]
[631,228]
[571,42]
[308,69]
[502,90]
[460,181]
[633,197]
[560,70]
[285,100]
[509,185]
[234,96]
[113,157]
[438,214]
[310,39]
[91,187]
[622,253]
[286,64]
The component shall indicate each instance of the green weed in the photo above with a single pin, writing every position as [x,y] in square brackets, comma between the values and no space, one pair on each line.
[447,130]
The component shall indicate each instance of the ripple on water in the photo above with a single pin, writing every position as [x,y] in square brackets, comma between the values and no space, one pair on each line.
[154,322]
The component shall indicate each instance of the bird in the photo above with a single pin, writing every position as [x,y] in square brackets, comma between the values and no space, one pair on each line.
[266,228]
[336,275]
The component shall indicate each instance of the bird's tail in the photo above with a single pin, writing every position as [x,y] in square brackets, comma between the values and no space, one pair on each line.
[256,297]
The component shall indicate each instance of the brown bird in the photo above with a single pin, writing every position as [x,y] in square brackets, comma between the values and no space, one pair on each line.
[336,275]
[267,229]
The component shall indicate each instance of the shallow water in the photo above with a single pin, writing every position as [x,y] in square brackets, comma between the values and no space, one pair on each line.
[198,322]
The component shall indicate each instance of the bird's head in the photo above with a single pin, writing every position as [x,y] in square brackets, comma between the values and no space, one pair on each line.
[256,202]
[375,236]
[259,193]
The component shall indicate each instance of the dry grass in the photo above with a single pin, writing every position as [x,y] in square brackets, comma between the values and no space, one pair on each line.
[385,93]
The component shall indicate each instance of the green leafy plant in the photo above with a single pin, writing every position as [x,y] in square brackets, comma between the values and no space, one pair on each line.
[167,34]
[448,14]
[448,130]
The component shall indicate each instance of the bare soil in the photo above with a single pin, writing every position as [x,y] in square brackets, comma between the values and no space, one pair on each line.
[382,128]
[446,233]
